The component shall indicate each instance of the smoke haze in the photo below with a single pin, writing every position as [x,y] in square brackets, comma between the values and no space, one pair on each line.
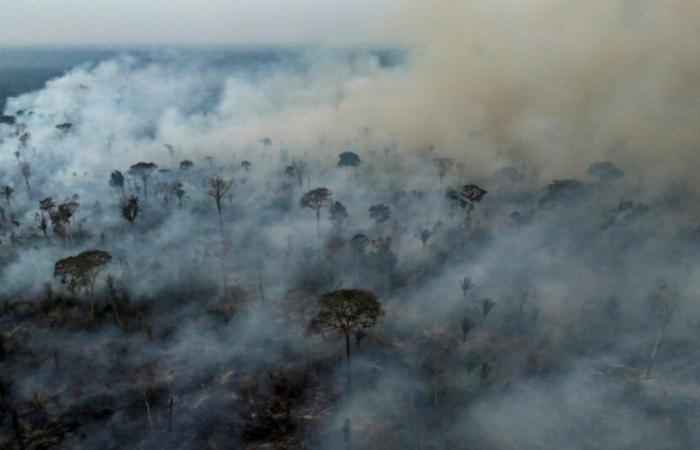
[516,185]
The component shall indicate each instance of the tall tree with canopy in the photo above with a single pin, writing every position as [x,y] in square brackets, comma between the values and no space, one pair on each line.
[315,200]
[79,273]
[143,170]
[346,311]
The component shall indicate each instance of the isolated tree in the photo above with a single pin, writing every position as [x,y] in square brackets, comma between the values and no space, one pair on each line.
[79,273]
[178,191]
[186,164]
[348,159]
[246,166]
[299,170]
[467,196]
[339,213]
[380,213]
[7,192]
[443,165]
[486,306]
[129,208]
[26,169]
[467,326]
[116,180]
[64,127]
[663,302]
[143,170]
[218,187]
[315,200]
[424,235]
[466,284]
[346,311]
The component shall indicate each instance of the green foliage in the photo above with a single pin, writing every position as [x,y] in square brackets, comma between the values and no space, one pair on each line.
[79,271]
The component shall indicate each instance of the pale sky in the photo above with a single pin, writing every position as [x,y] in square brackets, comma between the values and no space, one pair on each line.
[95,22]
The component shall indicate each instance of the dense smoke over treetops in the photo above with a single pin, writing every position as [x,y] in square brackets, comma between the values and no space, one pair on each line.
[502,212]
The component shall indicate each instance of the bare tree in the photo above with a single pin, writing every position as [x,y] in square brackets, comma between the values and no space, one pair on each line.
[443,165]
[299,170]
[7,192]
[315,200]
[663,302]
[26,169]
[218,187]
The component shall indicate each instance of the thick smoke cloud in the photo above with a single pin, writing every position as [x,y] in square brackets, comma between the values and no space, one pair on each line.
[578,273]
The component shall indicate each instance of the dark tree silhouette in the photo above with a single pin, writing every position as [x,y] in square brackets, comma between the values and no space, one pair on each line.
[80,272]
[64,127]
[346,311]
[466,284]
[380,213]
[443,165]
[246,166]
[179,192]
[218,187]
[605,171]
[7,192]
[467,326]
[299,170]
[59,216]
[143,170]
[26,170]
[424,235]
[339,213]
[186,164]
[486,306]
[315,200]
[116,180]
[130,208]
[348,159]
[467,196]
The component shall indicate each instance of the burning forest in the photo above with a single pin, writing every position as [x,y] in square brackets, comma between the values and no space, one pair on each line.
[473,239]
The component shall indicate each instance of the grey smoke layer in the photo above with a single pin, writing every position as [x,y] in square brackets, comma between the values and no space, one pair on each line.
[577,328]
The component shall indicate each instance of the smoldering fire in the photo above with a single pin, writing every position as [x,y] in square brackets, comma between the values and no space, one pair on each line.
[485,239]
